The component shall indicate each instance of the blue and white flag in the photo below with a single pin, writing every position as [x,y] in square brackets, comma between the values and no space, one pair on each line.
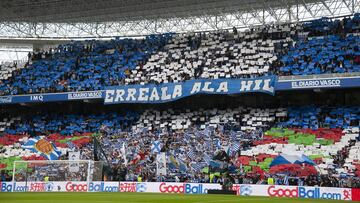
[207,159]
[182,166]
[177,163]
[218,144]
[198,166]
[123,153]
[227,149]
[216,164]
[161,164]
[156,147]
[70,145]
[187,136]
[233,135]
[208,145]
[207,132]
[234,148]
[202,133]
[197,133]
[286,180]
[43,147]
[191,154]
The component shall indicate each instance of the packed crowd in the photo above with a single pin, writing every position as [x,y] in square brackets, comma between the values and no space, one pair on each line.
[68,124]
[55,172]
[81,66]
[201,145]
[316,47]
[220,54]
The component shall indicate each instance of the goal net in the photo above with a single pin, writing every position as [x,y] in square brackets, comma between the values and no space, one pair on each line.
[57,170]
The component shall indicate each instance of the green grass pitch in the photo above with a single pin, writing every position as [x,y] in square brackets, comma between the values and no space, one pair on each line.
[141,198]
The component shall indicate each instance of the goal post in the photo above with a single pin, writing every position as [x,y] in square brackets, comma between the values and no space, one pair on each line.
[57,170]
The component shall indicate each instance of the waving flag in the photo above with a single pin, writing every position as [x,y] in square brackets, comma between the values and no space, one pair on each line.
[156,147]
[227,149]
[174,161]
[123,153]
[191,154]
[43,147]
[182,167]
[233,135]
[198,166]
[187,136]
[207,159]
[70,145]
[286,180]
[218,144]
[234,148]
[217,166]
[206,132]
[177,163]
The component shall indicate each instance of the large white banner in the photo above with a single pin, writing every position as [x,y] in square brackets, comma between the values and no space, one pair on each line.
[161,164]
[73,166]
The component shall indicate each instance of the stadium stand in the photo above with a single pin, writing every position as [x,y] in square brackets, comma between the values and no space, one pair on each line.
[156,101]
[197,140]
[316,47]
[353,156]
[248,138]
[79,66]
[329,54]
[7,69]
[222,54]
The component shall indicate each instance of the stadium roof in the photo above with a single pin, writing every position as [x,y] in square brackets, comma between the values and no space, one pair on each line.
[75,11]
[107,18]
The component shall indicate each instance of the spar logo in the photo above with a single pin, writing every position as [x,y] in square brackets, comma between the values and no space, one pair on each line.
[101,187]
[183,188]
[76,187]
[308,192]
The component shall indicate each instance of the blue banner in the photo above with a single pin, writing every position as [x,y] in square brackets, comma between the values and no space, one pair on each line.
[173,91]
[51,97]
[340,82]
